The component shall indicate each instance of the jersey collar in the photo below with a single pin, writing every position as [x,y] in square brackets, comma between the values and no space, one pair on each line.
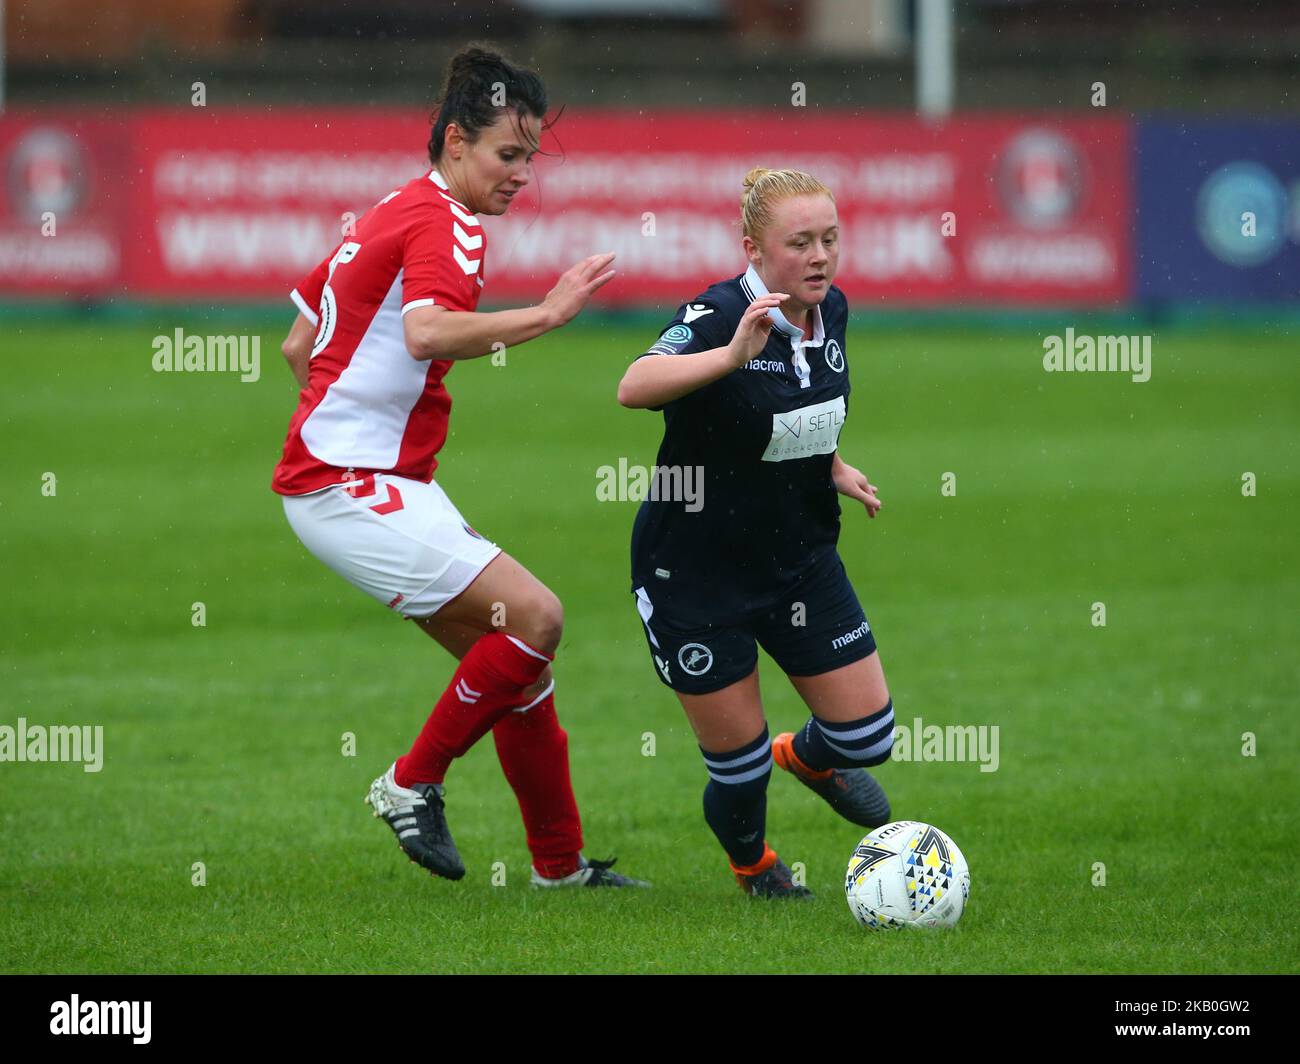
[441,182]
[754,287]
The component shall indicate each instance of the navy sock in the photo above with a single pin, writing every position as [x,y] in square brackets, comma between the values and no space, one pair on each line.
[735,798]
[848,744]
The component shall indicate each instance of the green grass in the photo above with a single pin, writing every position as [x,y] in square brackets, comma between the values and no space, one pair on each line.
[1119,745]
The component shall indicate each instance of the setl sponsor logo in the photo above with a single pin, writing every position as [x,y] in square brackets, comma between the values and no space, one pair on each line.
[807,431]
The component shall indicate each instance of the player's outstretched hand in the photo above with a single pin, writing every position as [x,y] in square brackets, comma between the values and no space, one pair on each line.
[576,285]
[754,328]
[853,483]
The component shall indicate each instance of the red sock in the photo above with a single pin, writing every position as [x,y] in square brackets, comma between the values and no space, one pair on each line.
[486,685]
[534,753]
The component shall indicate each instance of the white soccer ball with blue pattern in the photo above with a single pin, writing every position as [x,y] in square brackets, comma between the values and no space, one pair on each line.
[907,874]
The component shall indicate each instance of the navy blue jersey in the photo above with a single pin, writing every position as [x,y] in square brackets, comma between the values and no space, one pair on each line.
[757,445]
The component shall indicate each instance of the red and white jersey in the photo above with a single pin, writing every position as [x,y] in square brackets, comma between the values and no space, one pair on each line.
[369,407]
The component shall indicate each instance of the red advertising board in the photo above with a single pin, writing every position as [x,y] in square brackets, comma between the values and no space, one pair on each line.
[61,219]
[246,203]
[982,209]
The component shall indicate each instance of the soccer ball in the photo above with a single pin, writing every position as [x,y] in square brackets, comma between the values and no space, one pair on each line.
[907,874]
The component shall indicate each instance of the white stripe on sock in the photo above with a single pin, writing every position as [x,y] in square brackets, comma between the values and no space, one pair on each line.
[527,649]
[549,688]
[836,731]
[872,751]
[763,751]
[745,777]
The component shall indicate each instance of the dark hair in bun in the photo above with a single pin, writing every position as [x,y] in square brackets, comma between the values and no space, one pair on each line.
[478,79]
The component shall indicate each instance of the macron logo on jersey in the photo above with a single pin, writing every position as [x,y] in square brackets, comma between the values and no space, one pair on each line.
[695,310]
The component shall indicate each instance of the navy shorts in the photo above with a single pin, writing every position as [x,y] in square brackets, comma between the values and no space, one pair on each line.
[815,627]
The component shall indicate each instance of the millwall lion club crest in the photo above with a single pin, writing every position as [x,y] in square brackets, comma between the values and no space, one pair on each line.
[695,658]
[834,356]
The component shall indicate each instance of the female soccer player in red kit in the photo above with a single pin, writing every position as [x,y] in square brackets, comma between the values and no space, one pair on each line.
[382,322]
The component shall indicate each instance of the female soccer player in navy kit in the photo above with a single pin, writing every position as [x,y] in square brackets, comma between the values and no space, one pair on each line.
[752,377]
[383,319]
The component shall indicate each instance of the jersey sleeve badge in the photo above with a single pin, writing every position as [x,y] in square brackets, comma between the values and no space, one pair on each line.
[675,340]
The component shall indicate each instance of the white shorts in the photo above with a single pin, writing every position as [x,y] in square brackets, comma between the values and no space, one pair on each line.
[400,541]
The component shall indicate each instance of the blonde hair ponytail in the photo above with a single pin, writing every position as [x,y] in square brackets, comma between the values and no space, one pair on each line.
[762,189]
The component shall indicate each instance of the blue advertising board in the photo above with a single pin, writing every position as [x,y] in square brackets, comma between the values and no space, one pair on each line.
[1218,210]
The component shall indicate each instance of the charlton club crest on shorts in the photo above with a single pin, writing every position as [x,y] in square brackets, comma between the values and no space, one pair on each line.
[695,658]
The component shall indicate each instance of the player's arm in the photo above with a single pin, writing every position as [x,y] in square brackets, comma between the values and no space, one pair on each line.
[297,348]
[436,332]
[653,380]
[302,334]
[853,483]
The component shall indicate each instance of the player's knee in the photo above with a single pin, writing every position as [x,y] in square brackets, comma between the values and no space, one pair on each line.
[550,621]
[865,742]
[543,622]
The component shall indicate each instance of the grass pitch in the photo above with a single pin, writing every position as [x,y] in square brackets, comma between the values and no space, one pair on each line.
[1119,746]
